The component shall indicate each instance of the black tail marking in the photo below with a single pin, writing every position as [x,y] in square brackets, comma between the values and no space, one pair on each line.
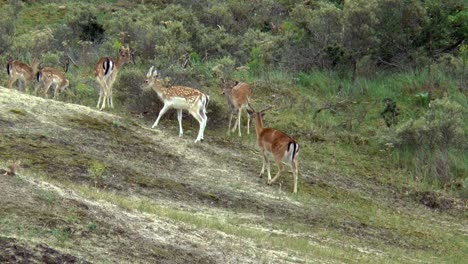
[108,65]
[9,68]
[295,149]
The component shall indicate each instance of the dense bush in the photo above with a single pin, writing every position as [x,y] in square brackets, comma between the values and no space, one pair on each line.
[129,94]
[427,145]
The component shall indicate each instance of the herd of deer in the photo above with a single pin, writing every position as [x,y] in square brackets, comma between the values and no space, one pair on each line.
[272,142]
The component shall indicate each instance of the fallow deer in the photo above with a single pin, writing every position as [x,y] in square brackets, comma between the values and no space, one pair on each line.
[180,98]
[106,72]
[282,147]
[50,76]
[238,96]
[21,71]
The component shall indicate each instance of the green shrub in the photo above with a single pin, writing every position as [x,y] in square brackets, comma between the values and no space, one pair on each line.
[83,94]
[428,146]
[129,94]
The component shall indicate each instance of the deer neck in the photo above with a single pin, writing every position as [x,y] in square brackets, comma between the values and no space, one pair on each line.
[119,63]
[160,89]
[258,124]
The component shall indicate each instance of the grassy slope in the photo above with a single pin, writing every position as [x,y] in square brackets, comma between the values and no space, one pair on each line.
[109,179]
[135,193]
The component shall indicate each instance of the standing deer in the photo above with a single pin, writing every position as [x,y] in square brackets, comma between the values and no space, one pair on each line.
[238,96]
[106,72]
[49,76]
[180,98]
[282,147]
[21,71]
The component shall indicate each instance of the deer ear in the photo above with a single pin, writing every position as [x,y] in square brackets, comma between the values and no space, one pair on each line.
[149,72]
[250,112]
[155,73]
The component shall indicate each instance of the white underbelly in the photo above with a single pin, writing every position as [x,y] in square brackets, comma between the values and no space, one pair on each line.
[180,103]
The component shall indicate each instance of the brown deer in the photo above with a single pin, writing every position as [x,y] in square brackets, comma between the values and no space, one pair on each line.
[180,98]
[238,95]
[106,72]
[50,76]
[18,70]
[282,147]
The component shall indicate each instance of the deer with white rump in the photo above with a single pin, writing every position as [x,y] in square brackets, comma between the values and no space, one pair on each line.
[18,70]
[238,95]
[282,147]
[106,72]
[48,77]
[180,98]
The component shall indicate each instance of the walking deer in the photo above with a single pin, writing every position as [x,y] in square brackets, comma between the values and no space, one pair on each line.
[238,96]
[180,98]
[18,70]
[48,77]
[282,147]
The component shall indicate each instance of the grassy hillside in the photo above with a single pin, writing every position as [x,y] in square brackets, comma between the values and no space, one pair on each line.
[102,187]
[98,187]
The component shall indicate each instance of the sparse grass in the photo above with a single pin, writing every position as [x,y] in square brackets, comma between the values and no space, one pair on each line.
[406,230]
[34,16]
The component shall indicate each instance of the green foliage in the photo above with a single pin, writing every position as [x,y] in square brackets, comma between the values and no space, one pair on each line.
[256,64]
[96,170]
[432,140]
[399,21]
[92,226]
[129,94]
[86,27]
[84,94]
[34,43]
[7,27]
[61,235]
[50,59]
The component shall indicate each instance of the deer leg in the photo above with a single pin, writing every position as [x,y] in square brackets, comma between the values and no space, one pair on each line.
[111,103]
[57,88]
[294,170]
[230,120]
[26,86]
[161,113]
[179,118]
[235,125]
[200,117]
[248,124]
[100,97]
[11,81]
[101,91]
[105,95]
[239,121]
[46,90]
[280,169]
[205,120]
[264,161]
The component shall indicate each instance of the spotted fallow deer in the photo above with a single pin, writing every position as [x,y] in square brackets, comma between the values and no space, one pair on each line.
[50,76]
[106,72]
[180,98]
[18,70]
[238,95]
[282,147]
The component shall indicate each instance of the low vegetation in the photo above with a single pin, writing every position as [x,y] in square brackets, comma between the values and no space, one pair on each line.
[375,100]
